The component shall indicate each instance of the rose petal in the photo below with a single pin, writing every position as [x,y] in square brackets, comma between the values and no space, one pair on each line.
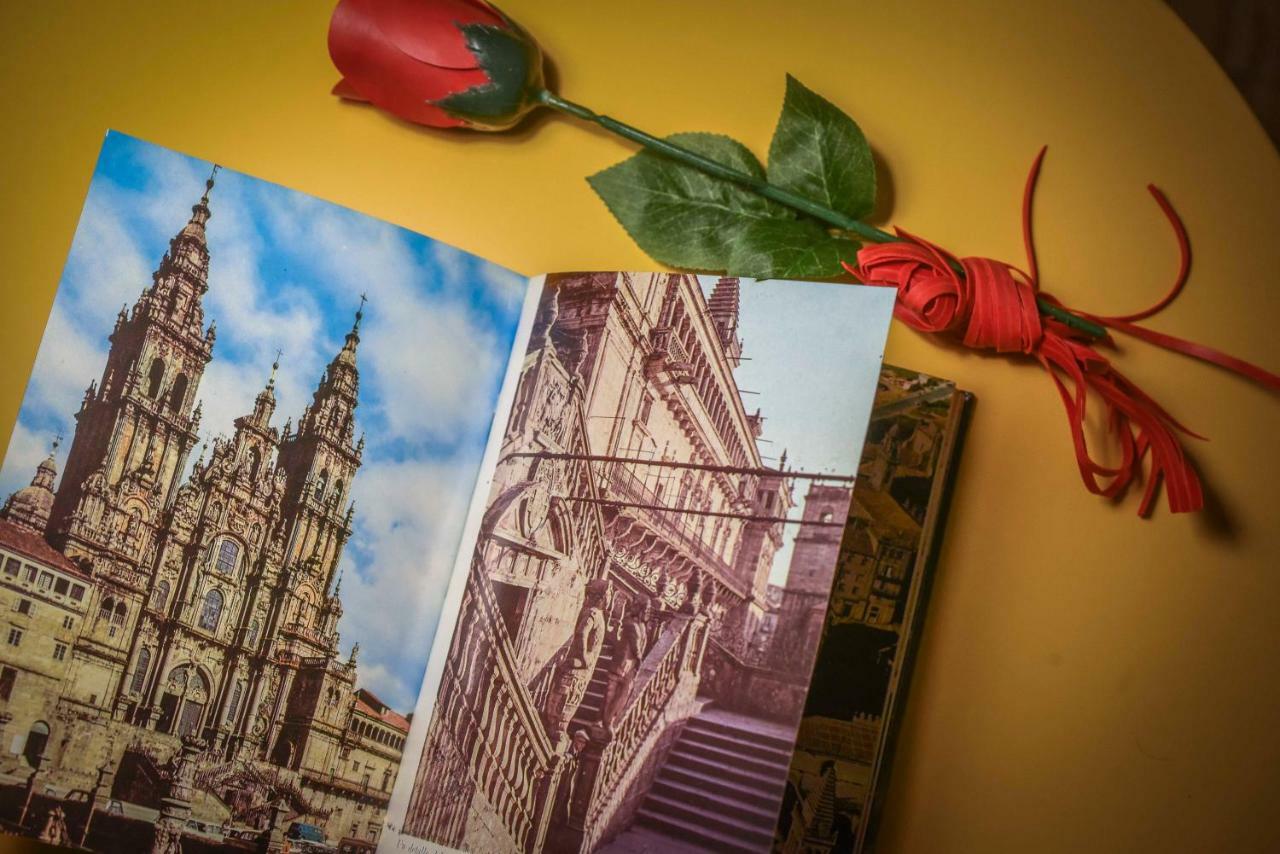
[344,90]
[428,30]
[389,78]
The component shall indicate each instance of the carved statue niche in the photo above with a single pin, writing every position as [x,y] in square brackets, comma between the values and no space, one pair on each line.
[630,650]
[552,409]
[266,705]
[573,673]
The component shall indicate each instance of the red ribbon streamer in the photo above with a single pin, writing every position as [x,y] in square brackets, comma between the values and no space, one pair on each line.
[991,305]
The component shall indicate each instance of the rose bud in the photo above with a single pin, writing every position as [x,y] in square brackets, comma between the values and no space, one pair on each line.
[443,63]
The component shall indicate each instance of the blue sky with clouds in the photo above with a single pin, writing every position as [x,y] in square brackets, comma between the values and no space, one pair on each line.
[286,272]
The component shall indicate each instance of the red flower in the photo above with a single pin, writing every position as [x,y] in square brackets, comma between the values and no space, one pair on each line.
[444,63]
[986,303]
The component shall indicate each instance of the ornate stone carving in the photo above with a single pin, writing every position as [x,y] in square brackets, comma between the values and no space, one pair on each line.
[569,684]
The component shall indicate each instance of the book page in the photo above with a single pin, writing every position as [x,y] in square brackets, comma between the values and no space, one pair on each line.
[231,505]
[669,449]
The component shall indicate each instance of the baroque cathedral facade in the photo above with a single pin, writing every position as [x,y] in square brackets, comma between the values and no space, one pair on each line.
[209,603]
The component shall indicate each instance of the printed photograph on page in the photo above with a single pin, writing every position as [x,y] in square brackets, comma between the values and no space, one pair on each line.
[622,675]
[231,504]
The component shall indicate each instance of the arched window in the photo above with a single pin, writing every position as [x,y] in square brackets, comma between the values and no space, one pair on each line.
[37,738]
[140,670]
[337,490]
[178,393]
[155,377]
[322,482]
[117,616]
[212,610]
[161,596]
[255,462]
[228,554]
[104,610]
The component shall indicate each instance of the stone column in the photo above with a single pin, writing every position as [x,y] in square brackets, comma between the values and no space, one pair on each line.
[275,837]
[175,806]
[100,795]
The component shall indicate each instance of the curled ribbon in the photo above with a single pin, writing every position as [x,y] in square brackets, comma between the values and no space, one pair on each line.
[991,305]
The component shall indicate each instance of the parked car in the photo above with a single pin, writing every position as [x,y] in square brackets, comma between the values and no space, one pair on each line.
[204,830]
[308,839]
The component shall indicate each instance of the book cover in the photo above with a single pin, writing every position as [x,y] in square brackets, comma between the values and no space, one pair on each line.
[888,555]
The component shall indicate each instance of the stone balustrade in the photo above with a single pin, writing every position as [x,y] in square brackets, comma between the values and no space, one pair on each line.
[486,737]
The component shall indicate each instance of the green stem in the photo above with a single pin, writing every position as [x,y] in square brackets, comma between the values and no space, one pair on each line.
[772,191]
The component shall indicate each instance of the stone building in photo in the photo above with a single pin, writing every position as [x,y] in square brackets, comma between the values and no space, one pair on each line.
[608,638]
[148,608]
[876,592]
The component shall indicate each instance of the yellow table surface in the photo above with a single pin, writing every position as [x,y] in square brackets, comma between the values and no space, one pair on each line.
[1087,680]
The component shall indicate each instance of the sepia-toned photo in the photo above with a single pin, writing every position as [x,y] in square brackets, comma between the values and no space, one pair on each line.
[637,616]
[250,433]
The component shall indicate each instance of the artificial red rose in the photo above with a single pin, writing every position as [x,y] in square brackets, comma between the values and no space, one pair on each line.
[444,63]
[987,304]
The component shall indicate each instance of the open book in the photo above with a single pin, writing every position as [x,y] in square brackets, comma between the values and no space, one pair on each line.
[323,534]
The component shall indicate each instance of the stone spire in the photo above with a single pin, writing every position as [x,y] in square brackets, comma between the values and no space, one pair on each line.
[723,308]
[200,212]
[320,460]
[347,355]
[264,405]
[183,277]
[334,401]
[30,506]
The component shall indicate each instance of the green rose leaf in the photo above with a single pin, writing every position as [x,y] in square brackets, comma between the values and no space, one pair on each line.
[819,152]
[789,249]
[683,217]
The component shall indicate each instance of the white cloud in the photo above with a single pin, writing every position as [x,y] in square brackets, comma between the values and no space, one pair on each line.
[432,368]
[26,449]
[65,364]
[409,519]
[106,268]
[507,287]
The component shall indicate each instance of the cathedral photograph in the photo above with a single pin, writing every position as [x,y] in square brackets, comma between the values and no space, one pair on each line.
[230,507]
[627,665]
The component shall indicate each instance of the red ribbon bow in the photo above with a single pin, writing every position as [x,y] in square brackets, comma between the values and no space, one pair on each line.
[991,305]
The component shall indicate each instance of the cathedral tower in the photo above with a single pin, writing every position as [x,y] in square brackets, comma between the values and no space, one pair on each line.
[137,425]
[319,461]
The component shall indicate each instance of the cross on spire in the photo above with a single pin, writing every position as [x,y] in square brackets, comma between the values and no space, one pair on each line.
[364,298]
[57,440]
[275,366]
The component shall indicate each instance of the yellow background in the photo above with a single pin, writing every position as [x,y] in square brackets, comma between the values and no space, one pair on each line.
[1088,680]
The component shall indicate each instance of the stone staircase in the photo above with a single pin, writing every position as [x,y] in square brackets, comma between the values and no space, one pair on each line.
[720,786]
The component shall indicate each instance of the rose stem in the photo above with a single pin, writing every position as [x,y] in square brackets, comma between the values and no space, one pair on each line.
[772,191]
